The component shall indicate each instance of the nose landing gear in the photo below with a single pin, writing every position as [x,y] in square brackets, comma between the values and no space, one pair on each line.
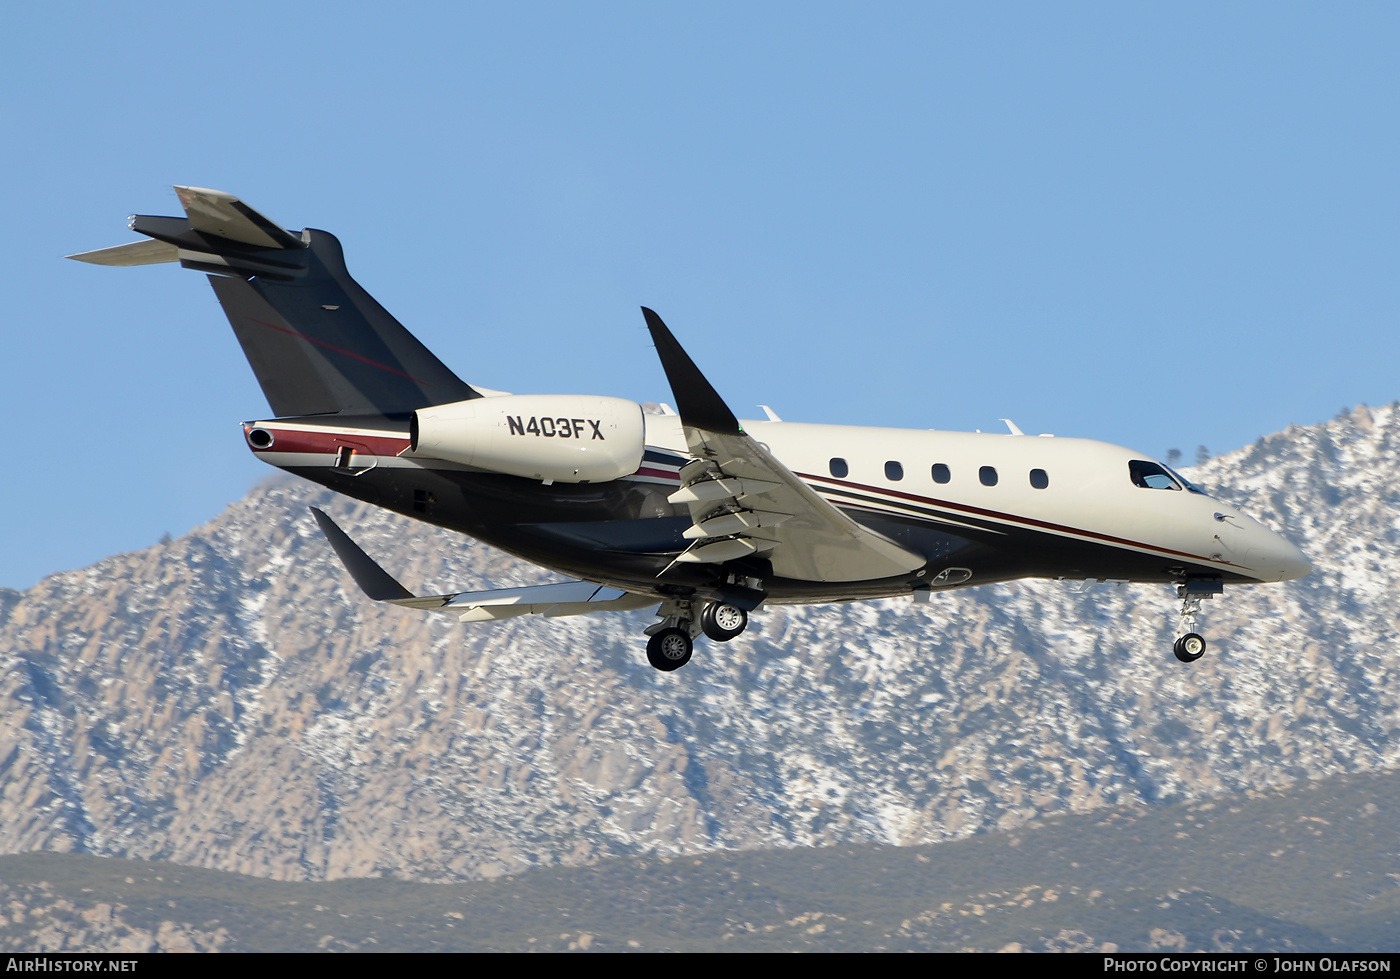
[1191,646]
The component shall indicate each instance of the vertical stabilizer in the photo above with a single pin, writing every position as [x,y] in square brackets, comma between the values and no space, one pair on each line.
[317,341]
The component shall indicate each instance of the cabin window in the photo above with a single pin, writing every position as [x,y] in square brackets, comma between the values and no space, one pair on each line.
[941,473]
[988,475]
[1040,478]
[838,468]
[894,471]
[1149,475]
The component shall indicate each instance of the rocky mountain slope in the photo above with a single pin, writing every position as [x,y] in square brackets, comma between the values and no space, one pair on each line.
[1309,868]
[228,700]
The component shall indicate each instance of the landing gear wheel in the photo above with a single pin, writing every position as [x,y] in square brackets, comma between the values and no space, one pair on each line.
[1189,648]
[723,622]
[669,649]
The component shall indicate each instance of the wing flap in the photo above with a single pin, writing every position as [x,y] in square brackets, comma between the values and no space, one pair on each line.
[552,601]
[564,591]
[814,541]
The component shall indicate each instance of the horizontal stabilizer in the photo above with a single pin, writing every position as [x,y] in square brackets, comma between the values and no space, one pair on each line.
[213,212]
[148,252]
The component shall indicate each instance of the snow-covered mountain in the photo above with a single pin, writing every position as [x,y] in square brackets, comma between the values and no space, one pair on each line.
[228,700]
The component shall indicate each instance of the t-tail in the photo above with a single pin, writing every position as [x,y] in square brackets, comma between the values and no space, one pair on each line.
[318,342]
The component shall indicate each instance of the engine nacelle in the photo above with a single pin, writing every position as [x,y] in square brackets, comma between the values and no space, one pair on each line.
[565,438]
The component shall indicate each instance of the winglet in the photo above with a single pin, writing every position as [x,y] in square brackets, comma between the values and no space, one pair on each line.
[699,404]
[373,580]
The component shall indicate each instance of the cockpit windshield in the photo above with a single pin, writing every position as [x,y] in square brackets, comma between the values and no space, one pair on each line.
[1150,475]
[1186,482]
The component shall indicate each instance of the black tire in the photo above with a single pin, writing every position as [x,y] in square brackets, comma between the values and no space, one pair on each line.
[1189,648]
[669,649]
[723,622]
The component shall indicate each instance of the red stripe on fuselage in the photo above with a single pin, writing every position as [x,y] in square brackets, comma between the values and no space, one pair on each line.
[329,441]
[1012,518]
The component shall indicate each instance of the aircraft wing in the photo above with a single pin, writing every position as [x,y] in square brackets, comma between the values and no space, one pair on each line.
[744,501]
[552,600]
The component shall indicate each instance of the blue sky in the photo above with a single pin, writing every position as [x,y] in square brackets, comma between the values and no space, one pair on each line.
[1159,225]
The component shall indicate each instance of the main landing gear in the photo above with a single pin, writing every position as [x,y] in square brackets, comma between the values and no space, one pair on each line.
[673,638]
[1191,646]
[723,622]
[670,649]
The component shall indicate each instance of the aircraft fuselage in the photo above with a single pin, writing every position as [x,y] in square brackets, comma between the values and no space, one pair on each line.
[978,507]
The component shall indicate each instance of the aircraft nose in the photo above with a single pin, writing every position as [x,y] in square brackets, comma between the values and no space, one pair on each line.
[1296,564]
[1282,561]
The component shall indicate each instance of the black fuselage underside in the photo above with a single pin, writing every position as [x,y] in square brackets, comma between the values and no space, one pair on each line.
[625,533]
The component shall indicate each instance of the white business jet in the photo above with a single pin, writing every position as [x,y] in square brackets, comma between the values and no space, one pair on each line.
[691,511]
